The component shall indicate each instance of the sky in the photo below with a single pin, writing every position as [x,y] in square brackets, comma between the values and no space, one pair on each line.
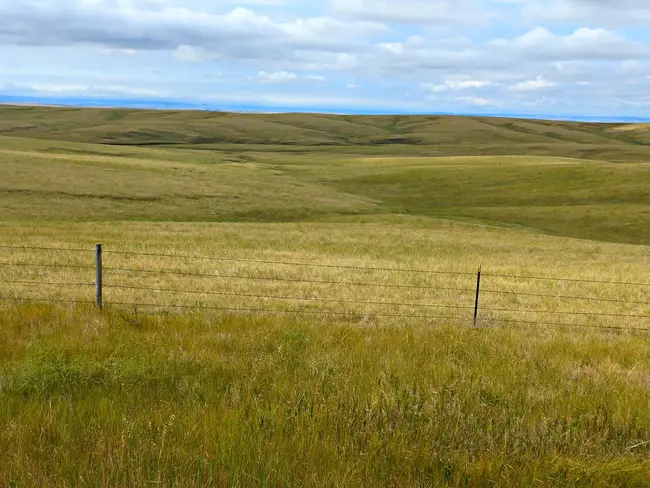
[540,57]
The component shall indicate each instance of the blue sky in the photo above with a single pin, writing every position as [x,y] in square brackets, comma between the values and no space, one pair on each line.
[546,57]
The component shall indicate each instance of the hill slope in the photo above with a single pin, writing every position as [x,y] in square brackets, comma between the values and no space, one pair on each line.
[572,179]
[452,135]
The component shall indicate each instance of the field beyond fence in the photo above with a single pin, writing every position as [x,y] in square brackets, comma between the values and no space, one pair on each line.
[165,282]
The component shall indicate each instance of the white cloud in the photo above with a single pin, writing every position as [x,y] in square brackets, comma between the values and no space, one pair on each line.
[108,50]
[481,102]
[537,84]
[277,77]
[190,54]
[463,84]
[589,12]
[437,12]
[584,43]
[261,2]
[240,34]
[455,85]
[96,90]
[554,53]
[288,77]
[431,87]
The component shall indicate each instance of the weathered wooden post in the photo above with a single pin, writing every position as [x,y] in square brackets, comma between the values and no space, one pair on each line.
[478,296]
[98,281]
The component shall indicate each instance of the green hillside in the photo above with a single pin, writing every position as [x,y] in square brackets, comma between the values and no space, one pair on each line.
[571,179]
[454,135]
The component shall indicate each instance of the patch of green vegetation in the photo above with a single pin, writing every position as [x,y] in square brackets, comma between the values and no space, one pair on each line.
[568,197]
[134,127]
[314,167]
[108,400]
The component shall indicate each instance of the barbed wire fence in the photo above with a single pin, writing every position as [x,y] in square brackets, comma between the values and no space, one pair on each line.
[147,281]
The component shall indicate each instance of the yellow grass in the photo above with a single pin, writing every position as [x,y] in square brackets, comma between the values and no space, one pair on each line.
[337,249]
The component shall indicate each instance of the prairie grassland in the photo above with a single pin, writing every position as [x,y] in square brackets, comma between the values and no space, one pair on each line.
[118,399]
[61,181]
[401,390]
[459,135]
[328,280]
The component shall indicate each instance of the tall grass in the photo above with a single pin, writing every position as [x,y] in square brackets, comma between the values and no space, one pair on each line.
[345,258]
[115,399]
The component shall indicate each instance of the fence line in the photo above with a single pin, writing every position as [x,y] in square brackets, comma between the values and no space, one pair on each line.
[583,326]
[316,265]
[270,297]
[318,312]
[282,280]
[46,300]
[571,280]
[28,248]
[564,312]
[28,265]
[289,263]
[481,315]
[16,282]
[540,249]
[564,297]
[279,311]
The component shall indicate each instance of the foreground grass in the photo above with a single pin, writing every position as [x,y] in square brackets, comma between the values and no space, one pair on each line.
[115,399]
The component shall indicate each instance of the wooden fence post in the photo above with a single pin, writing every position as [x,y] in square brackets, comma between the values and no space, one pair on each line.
[98,282]
[478,296]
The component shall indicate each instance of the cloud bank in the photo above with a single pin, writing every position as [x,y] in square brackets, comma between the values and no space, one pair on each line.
[541,56]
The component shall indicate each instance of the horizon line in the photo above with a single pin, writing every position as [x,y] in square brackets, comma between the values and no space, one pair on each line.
[252,108]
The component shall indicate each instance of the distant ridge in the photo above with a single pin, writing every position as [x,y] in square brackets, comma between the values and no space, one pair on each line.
[164,104]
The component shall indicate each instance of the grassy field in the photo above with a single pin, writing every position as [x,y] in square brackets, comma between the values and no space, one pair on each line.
[585,198]
[466,135]
[110,400]
[399,391]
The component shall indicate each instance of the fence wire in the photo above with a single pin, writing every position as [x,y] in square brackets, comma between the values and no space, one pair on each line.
[290,263]
[286,298]
[565,312]
[46,300]
[566,280]
[563,297]
[60,249]
[280,311]
[44,283]
[486,313]
[282,280]
[30,265]
[582,326]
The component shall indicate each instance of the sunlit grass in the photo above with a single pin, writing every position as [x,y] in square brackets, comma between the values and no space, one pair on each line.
[335,268]
[209,400]
[568,196]
[356,364]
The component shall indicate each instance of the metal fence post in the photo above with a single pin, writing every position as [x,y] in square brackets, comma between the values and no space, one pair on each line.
[478,296]
[98,282]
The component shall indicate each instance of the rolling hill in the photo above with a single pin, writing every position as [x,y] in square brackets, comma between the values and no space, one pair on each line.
[571,179]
